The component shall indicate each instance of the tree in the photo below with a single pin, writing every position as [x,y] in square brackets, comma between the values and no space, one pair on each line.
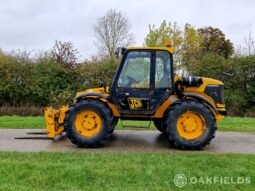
[190,44]
[214,66]
[186,43]
[190,48]
[64,53]
[112,31]
[214,41]
[249,45]
[158,36]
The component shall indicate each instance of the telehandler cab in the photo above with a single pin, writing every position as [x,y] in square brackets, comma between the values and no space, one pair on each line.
[144,87]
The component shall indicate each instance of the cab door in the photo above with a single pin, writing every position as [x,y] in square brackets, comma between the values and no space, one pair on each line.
[134,83]
[162,78]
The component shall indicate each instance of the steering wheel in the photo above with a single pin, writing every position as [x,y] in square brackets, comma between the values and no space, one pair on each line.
[131,81]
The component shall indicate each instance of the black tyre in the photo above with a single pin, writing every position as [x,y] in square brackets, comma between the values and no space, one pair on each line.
[190,125]
[89,123]
[160,125]
[115,121]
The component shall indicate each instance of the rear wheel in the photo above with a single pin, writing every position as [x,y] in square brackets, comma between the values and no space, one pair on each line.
[115,121]
[190,125]
[89,123]
[160,125]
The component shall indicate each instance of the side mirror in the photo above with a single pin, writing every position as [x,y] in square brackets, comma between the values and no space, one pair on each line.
[119,52]
[102,84]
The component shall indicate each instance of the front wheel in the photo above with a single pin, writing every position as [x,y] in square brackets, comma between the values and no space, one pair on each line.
[190,125]
[160,125]
[89,123]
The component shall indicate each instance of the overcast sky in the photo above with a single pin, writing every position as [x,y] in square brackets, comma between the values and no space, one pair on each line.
[36,24]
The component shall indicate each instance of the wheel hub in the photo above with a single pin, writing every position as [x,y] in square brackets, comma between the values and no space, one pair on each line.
[190,125]
[88,123]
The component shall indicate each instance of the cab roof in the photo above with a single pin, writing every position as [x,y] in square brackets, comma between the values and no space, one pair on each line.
[169,49]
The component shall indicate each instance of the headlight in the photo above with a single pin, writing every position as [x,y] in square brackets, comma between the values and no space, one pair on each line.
[216,92]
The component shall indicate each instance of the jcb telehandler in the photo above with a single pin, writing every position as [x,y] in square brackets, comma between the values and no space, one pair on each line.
[144,87]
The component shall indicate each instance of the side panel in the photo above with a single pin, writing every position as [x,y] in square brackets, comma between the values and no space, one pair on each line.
[160,111]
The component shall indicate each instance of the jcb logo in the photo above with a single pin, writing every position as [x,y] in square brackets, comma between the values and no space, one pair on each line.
[135,103]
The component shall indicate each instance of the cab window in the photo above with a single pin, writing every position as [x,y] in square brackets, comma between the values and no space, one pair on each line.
[136,70]
[163,70]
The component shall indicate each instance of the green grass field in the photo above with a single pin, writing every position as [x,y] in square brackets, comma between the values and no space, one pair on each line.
[122,171]
[228,124]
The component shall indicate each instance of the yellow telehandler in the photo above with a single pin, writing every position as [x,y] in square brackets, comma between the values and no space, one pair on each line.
[144,87]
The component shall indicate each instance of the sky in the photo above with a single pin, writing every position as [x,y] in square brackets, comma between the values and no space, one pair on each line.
[34,25]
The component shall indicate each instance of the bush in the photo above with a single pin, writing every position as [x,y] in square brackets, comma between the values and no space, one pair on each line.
[42,81]
[92,72]
[32,82]
[242,86]
[37,82]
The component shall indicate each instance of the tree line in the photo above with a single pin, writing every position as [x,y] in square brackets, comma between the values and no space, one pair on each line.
[55,76]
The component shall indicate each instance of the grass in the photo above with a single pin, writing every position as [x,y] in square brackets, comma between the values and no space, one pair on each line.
[228,124]
[121,171]
[237,124]
[21,122]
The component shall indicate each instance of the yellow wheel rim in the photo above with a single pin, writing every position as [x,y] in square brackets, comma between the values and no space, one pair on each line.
[88,123]
[190,125]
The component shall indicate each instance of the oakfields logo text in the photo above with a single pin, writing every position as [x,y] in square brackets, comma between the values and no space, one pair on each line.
[181,180]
